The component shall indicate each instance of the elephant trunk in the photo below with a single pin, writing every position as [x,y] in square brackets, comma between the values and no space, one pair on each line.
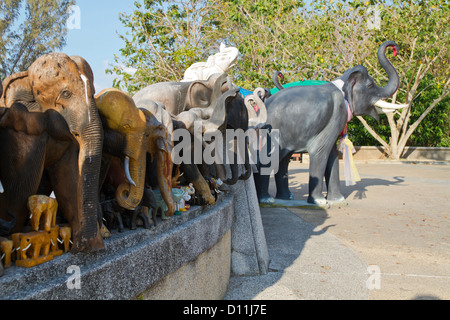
[129,194]
[275,80]
[394,80]
[87,233]
[164,167]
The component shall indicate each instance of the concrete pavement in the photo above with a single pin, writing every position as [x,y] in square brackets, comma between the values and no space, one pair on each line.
[391,242]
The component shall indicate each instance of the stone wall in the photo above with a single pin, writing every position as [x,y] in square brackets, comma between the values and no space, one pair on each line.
[134,261]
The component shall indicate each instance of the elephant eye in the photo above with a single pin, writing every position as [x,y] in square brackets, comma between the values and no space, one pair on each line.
[66,94]
[370,85]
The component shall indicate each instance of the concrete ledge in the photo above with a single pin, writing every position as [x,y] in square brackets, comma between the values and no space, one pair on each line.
[205,278]
[409,154]
[131,262]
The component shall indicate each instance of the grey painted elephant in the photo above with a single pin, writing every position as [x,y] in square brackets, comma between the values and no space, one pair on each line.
[183,115]
[57,82]
[182,96]
[310,119]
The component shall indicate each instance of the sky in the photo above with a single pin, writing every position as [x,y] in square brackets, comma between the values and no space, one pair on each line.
[97,38]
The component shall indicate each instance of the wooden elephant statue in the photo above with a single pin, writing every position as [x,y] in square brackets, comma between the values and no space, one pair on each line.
[42,206]
[65,233]
[6,247]
[57,88]
[33,249]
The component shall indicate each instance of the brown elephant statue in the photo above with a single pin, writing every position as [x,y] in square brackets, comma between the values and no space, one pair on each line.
[190,170]
[42,206]
[34,249]
[55,83]
[6,247]
[131,134]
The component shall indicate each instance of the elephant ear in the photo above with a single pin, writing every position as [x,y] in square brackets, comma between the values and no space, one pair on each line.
[203,94]
[356,75]
[17,88]
[199,95]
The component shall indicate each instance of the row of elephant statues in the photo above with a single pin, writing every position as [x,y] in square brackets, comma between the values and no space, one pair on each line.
[57,134]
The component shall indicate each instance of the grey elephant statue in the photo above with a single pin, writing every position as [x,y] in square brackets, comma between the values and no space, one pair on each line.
[179,114]
[311,118]
[182,96]
[57,84]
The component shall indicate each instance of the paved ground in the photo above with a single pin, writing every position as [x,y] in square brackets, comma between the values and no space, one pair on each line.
[396,223]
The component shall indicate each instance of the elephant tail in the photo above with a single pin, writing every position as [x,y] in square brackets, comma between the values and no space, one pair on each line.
[7,226]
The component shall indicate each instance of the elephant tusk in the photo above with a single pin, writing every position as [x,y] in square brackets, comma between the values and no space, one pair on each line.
[1,188]
[25,249]
[85,80]
[127,172]
[60,241]
[386,107]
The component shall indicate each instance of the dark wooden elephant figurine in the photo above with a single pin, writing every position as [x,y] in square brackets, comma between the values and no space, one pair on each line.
[56,85]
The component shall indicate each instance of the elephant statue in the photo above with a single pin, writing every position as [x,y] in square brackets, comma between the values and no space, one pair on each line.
[220,62]
[191,172]
[55,85]
[34,249]
[183,96]
[237,118]
[6,247]
[311,118]
[39,206]
[131,134]
[65,233]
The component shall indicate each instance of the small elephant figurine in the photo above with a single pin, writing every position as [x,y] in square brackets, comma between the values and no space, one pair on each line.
[6,247]
[188,192]
[42,205]
[177,194]
[33,249]
[54,247]
[65,233]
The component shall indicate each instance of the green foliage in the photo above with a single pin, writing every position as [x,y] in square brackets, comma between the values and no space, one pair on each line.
[29,29]
[312,40]
[164,38]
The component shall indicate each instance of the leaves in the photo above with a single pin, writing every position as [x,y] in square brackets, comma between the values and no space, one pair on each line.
[42,30]
[313,40]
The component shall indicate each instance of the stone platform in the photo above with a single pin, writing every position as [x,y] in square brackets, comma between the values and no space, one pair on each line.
[134,262]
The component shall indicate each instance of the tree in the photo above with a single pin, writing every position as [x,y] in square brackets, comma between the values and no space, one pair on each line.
[164,38]
[313,40]
[421,30]
[264,31]
[29,29]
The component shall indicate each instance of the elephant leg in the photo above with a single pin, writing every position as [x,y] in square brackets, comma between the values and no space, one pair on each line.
[282,179]
[317,166]
[234,166]
[248,168]
[262,181]
[332,181]
[262,188]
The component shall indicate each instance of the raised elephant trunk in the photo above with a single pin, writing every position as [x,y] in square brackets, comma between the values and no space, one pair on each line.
[394,81]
